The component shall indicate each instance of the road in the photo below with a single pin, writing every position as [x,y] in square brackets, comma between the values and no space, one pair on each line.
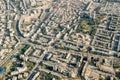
[37,64]
[7,57]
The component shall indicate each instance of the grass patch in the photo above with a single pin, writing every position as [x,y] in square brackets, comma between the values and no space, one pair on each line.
[7,66]
[30,65]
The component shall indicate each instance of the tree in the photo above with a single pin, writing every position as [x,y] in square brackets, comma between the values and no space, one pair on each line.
[43,30]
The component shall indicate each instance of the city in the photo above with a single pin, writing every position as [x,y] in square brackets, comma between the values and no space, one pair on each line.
[59,40]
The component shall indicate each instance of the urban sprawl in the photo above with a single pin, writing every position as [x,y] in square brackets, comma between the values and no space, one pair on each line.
[59,39]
